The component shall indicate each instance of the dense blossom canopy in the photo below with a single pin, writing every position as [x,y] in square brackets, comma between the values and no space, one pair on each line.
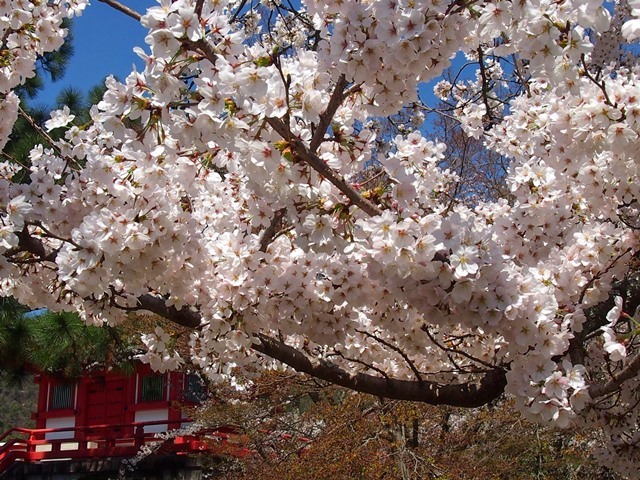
[228,187]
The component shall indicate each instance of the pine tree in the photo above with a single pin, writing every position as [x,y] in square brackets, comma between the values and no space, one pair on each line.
[50,67]
[58,343]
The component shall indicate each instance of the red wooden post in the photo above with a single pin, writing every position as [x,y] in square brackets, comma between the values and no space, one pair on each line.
[139,436]
[81,407]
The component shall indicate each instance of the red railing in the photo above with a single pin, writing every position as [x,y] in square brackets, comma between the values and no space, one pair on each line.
[105,441]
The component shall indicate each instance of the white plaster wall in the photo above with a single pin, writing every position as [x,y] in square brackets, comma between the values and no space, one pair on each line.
[151,416]
[60,422]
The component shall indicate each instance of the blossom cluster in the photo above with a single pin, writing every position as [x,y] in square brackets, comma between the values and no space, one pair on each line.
[225,180]
[28,30]
[159,354]
[387,47]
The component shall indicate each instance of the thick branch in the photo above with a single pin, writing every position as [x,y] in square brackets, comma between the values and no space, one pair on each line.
[270,232]
[471,394]
[325,118]
[627,373]
[123,8]
[203,47]
[35,246]
[30,244]
[198,9]
[315,162]
[157,305]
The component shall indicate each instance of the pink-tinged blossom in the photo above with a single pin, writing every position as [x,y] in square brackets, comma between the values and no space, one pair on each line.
[465,261]
[212,180]
[59,118]
[16,210]
[631,30]
[184,22]
[614,314]
[8,239]
[616,350]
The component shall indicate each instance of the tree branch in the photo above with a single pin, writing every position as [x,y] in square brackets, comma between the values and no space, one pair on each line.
[123,8]
[327,116]
[322,168]
[155,304]
[485,85]
[203,46]
[470,394]
[270,232]
[307,153]
[46,136]
[627,373]
[629,289]
[364,364]
[35,246]
[396,349]
[425,329]
[198,9]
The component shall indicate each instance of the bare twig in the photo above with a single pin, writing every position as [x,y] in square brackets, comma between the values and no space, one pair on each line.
[396,349]
[517,68]
[236,14]
[627,373]
[599,275]
[601,85]
[46,136]
[50,234]
[123,8]
[425,329]
[486,87]
[364,364]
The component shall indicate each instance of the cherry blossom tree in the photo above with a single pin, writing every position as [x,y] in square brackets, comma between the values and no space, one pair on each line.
[222,188]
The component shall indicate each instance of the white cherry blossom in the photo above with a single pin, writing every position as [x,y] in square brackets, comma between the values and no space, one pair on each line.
[244,185]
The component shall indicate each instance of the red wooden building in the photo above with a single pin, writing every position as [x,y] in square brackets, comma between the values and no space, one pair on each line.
[111,398]
[85,428]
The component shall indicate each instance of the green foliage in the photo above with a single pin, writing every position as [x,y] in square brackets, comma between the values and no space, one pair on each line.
[55,63]
[72,98]
[14,334]
[52,65]
[63,343]
[24,137]
[55,342]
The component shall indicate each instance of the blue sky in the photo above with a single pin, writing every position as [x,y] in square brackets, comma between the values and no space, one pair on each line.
[103,40]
